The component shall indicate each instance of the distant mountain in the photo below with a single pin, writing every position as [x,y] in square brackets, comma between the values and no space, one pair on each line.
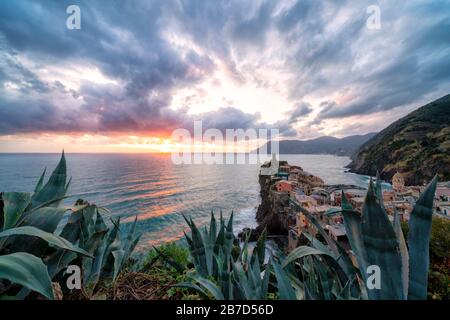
[417,145]
[323,145]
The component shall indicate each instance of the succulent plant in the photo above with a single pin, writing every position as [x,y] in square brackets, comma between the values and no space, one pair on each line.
[29,244]
[377,241]
[223,269]
[323,269]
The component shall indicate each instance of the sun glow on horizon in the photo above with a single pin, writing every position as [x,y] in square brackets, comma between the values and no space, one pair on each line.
[94,143]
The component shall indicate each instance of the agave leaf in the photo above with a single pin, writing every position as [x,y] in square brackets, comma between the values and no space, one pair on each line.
[46,218]
[241,280]
[345,293]
[188,240]
[254,273]
[260,248]
[40,182]
[243,255]
[301,252]
[131,248]
[418,242]
[209,286]
[306,252]
[118,261]
[382,249]
[223,265]
[285,290]
[229,235]
[55,187]
[353,230]
[316,244]
[220,240]
[68,185]
[100,225]
[27,270]
[324,277]
[113,243]
[352,224]
[190,285]
[131,240]
[213,228]
[92,267]
[58,261]
[88,222]
[14,204]
[403,252]
[330,242]
[209,251]
[298,286]
[265,281]
[50,238]
[72,228]
[311,279]
[198,249]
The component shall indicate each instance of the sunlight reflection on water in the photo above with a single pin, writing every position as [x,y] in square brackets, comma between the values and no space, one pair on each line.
[159,192]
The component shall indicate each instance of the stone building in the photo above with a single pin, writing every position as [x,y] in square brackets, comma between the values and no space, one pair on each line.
[398,182]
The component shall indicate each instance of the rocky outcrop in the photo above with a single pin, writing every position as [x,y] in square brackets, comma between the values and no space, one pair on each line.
[418,146]
[272,213]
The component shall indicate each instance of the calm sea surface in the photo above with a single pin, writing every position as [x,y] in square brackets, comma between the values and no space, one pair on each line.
[159,192]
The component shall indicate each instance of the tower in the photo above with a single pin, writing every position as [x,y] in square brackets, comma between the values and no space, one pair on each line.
[398,182]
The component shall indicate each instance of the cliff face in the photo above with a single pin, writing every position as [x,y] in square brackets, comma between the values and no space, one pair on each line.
[273,204]
[417,145]
[272,213]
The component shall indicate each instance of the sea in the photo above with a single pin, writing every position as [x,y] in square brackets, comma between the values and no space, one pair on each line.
[159,192]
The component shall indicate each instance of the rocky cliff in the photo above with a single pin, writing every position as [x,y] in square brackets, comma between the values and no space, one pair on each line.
[272,213]
[417,145]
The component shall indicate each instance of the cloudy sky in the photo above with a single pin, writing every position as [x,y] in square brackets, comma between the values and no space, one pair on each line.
[137,70]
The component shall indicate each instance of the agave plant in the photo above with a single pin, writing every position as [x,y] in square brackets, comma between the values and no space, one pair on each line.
[374,240]
[377,241]
[223,269]
[29,244]
[319,270]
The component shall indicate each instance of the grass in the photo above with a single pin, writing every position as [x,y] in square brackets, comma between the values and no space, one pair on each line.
[152,278]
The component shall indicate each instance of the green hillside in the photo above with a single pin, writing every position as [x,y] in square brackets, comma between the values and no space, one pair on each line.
[417,145]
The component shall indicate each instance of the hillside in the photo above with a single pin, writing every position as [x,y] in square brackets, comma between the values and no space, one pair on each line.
[417,145]
[323,145]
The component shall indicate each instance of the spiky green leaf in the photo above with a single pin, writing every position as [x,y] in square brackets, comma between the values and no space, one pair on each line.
[27,270]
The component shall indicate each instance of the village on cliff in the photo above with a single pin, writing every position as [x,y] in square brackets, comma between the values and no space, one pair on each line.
[285,187]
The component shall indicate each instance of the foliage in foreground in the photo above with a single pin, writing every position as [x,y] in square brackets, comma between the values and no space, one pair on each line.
[439,275]
[153,277]
[225,270]
[32,255]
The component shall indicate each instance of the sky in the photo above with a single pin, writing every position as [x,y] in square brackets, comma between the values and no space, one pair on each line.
[138,70]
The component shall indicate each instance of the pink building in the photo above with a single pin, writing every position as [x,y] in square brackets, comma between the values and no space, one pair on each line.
[284,186]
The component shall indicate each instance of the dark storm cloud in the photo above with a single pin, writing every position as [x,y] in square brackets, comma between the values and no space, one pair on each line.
[303,109]
[323,44]
[422,67]
[129,50]
[254,29]
[302,13]
[12,71]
